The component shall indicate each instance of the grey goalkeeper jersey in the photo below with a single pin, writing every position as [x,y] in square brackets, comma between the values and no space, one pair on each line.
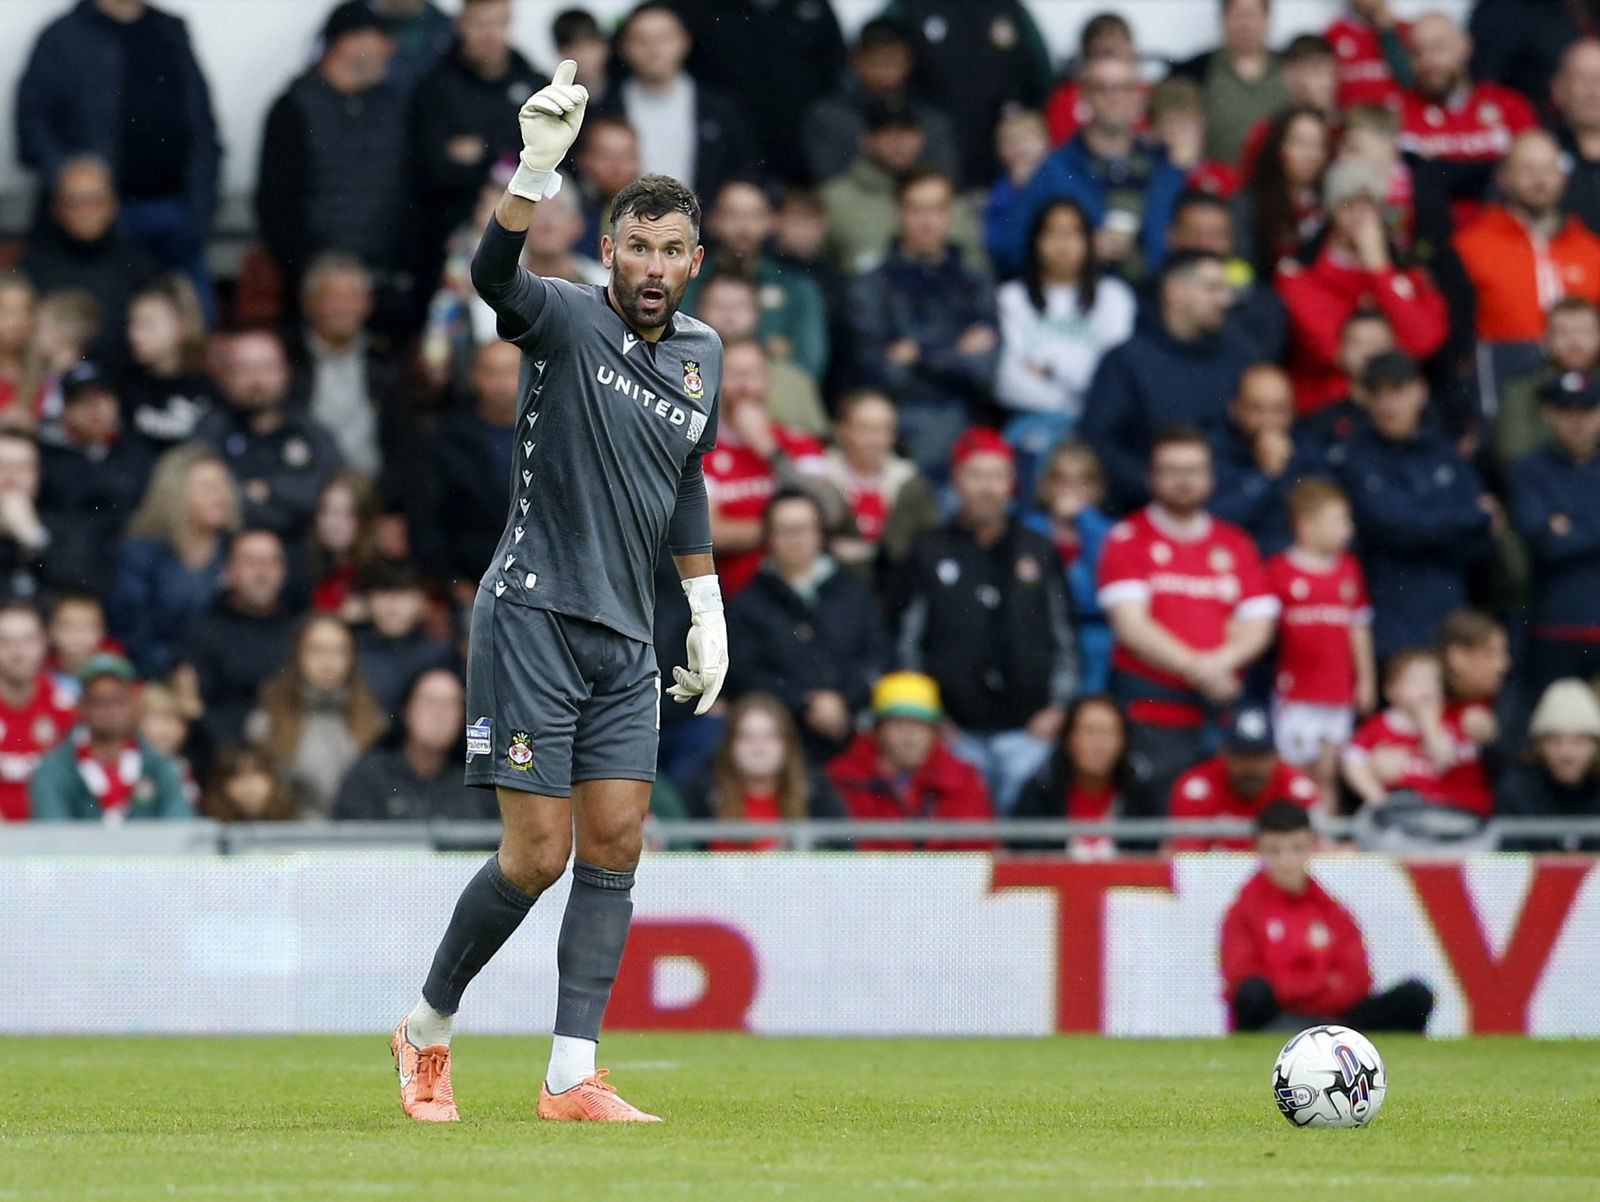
[610,432]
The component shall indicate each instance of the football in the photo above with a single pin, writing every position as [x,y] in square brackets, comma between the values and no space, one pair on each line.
[1329,1077]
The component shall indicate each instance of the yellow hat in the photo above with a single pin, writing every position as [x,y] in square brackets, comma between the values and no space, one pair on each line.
[906,695]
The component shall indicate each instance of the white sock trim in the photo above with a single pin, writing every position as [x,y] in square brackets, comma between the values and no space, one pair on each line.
[426,1027]
[571,1063]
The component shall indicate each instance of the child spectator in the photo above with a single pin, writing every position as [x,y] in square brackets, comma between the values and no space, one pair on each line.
[1055,324]
[1416,747]
[1293,956]
[1070,495]
[165,727]
[394,648]
[1326,671]
[34,714]
[1021,144]
[1086,777]
[1372,136]
[68,325]
[1243,780]
[169,564]
[245,787]
[19,357]
[165,390]
[1177,114]
[759,774]
[77,630]
[317,715]
[343,543]
[1560,776]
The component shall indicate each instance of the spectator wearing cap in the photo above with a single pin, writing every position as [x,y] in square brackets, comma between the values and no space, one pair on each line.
[1423,517]
[1555,504]
[986,615]
[1523,254]
[1240,781]
[902,769]
[333,156]
[418,779]
[861,200]
[280,458]
[687,128]
[925,324]
[1571,344]
[1190,609]
[1260,457]
[1560,775]
[1181,369]
[1123,180]
[464,120]
[1242,79]
[90,480]
[148,116]
[809,634]
[105,770]
[878,81]
[794,319]
[1352,267]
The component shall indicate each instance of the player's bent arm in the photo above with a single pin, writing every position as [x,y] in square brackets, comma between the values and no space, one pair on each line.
[1148,639]
[514,293]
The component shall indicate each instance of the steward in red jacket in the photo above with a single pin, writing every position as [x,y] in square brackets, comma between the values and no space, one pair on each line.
[1292,955]
[903,770]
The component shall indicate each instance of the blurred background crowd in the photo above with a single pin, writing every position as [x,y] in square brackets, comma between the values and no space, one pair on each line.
[1110,437]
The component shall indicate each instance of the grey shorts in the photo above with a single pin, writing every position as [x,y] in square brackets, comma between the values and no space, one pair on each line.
[553,699]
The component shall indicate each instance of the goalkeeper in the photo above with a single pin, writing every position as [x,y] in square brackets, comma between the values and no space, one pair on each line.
[619,404]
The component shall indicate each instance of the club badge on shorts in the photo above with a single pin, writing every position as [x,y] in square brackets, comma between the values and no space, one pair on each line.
[692,384]
[520,754]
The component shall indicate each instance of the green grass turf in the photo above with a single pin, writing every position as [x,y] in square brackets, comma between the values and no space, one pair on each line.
[318,1118]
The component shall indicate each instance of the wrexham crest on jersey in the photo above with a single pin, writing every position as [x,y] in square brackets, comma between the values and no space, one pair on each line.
[692,384]
[520,754]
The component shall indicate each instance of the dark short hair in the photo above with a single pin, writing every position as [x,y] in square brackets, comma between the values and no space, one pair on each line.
[1183,435]
[1199,198]
[575,25]
[1365,314]
[647,6]
[726,275]
[1098,26]
[883,31]
[1282,818]
[1181,262]
[653,197]
[921,175]
[782,497]
[1467,628]
[389,576]
[1306,48]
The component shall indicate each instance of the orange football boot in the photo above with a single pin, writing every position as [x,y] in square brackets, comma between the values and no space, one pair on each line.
[425,1091]
[590,1101]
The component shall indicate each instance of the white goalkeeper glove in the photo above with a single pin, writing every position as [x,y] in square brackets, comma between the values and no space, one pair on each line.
[707,645]
[550,122]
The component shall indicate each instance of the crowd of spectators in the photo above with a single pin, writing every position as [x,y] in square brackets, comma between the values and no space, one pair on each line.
[1106,438]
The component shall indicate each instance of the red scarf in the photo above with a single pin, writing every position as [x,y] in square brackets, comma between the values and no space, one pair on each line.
[113,785]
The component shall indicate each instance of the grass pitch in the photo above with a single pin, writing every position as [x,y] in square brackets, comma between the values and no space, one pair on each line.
[317,1118]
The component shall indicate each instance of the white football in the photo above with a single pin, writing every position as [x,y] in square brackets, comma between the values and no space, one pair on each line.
[1329,1077]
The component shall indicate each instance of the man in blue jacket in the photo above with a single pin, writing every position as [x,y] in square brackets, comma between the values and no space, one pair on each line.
[118,79]
[1555,504]
[1423,517]
[1125,183]
[1178,369]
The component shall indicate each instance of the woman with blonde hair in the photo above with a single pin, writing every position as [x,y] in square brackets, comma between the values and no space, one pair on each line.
[317,716]
[758,773]
[165,390]
[169,567]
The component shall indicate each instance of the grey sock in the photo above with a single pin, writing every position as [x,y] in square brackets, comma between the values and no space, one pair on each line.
[593,931]
[489,909]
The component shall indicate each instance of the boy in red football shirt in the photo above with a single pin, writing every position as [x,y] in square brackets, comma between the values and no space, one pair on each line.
[1326,671]
[1293,956]
[1417,745]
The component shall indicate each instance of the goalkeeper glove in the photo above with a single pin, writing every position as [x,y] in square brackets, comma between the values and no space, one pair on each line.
[550,121]
[707,645]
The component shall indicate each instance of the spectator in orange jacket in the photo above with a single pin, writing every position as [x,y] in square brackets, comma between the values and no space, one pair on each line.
[903,770]
[1524,254]
[1353,267]
[1293,956]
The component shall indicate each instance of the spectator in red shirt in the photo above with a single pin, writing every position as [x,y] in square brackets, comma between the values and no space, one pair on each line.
[1239,782]
[1326,668]
[1351,268]
[1416,749]
[759,774]
[1189,608]
[1293,956]
[1456,128]
[343,543]
[1370,47]
[35,714]
[1085,779]
[902,768]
